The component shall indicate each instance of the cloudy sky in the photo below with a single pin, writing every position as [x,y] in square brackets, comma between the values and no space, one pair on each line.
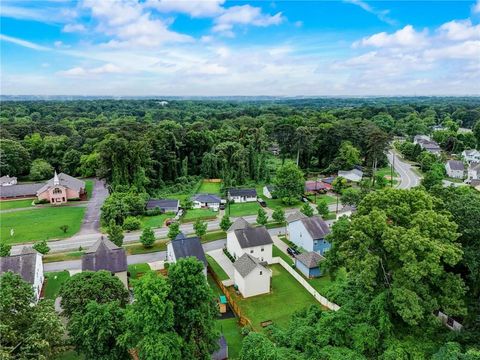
[218,47]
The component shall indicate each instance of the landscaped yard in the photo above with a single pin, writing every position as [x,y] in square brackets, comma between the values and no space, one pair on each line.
[156,221]
[16,204]
[217,269]
[194,214]
[209,187]
[136,269]
[74,255]
[53,282]
[41,224]
[243,209]
[277,203]
[286,297]
[231,330]
[135,249]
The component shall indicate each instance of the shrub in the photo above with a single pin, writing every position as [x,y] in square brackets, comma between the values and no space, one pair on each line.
[131,223]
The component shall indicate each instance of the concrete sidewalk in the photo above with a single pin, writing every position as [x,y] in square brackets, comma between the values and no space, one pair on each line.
[223,261]
[280,244]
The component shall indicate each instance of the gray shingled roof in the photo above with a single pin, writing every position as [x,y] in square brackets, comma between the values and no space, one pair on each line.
[64,180]
[162,204]
[316,227]
[474,166]
[20,190]
[297,215]
[242,192]
[184,247]
[246,263]
[310,259]
[6,179]
[253,236]
[206,198]
[22,264]
[239,223]
[456,165]
[104,255]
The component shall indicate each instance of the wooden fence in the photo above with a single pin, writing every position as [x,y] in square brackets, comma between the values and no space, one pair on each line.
[321,299]
[243,320]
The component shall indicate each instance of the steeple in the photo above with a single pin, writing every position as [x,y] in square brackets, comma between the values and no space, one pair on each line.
[56,180]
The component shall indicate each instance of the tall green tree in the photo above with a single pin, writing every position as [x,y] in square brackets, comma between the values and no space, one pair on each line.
[289,183]
[322,207]
[195,310]
[149,325]
[173,230]
[115,233]
[259,347]
[307,209]
[278,215]
[15,159]
[148,237]
[225,223]
[41,170]
[99,286]
[262,218]
[200,227]
[95,331]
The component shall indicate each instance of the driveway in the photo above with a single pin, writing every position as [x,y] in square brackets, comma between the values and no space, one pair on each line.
[222,260]
[91,221]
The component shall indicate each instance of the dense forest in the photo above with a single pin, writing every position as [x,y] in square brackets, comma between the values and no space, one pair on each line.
[407,253]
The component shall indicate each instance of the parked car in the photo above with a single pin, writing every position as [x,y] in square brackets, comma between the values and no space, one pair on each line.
[262,202]
[292,252]
[222,207]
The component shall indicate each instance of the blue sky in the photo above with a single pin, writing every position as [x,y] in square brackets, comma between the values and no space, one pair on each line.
[218,47]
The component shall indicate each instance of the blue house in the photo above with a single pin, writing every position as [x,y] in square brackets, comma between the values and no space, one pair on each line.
[309,264]
[308,232]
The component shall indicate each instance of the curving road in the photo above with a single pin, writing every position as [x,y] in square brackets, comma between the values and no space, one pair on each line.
[408,178]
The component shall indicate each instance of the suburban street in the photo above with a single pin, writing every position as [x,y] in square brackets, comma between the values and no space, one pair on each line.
[408,178]
[86,240]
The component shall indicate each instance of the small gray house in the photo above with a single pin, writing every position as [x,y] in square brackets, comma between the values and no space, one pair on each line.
[164,205]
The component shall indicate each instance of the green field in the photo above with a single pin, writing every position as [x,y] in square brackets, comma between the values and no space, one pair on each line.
[277,203]
[285,290]
[231,330]
[330,199]
[136,269]
[16,204]
[243,209]
[53,282]
[156,221]
[208,187]
[217,269]
[41,224]
[194,214]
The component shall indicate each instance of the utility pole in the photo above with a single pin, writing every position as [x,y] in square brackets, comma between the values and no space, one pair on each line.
[391,169]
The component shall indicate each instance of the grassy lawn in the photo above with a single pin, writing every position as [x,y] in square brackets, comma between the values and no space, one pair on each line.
[136,269]
[41,224]
[15,204]
[74,255]
[194,214]
[89,187]
[329,198]
[330,216]
[285,290]
[231,330]
[386,171]
[242,209]
[159,245]
[217,269]
[277,203]
[210,187]
[276,252]
[156,221]
[54,281]
[214,235]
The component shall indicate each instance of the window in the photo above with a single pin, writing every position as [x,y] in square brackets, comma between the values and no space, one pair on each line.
[57,191]
[300,234]
[251,251]
[261,249]
[261,272]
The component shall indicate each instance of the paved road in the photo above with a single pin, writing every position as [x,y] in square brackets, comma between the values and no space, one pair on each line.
[86,240]
[408,178]
[131,259]
[91,220]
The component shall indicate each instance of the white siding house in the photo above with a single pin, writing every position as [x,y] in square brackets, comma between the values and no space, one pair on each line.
[251,276]
[455,169]
[243,238]
[471,156]
[206,201]
[29,265]
[242,195]
[474,171]
[8,181]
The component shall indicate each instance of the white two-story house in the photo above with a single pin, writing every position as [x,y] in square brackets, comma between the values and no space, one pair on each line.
[243,238]
[308,232]
[455,169]
[471,155]
[251,276]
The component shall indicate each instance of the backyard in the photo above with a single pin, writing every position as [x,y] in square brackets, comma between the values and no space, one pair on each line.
[217,269]
[242,209]
[203,214]
[316,199]
[156,221]
[136,269]
[210,187]
[53,282]
[285,290]
[41,224]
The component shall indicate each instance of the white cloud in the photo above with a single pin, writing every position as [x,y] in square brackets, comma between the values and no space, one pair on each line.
[81,71]
[476,8]
[460,30]
[194,8]
[245,15]
[382,15]
[71,28]
[23,43]
[406,37]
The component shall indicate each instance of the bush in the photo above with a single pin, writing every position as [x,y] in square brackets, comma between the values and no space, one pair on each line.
[42,201]
[153,212]
[41,247]
[147,238]
[131,223]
